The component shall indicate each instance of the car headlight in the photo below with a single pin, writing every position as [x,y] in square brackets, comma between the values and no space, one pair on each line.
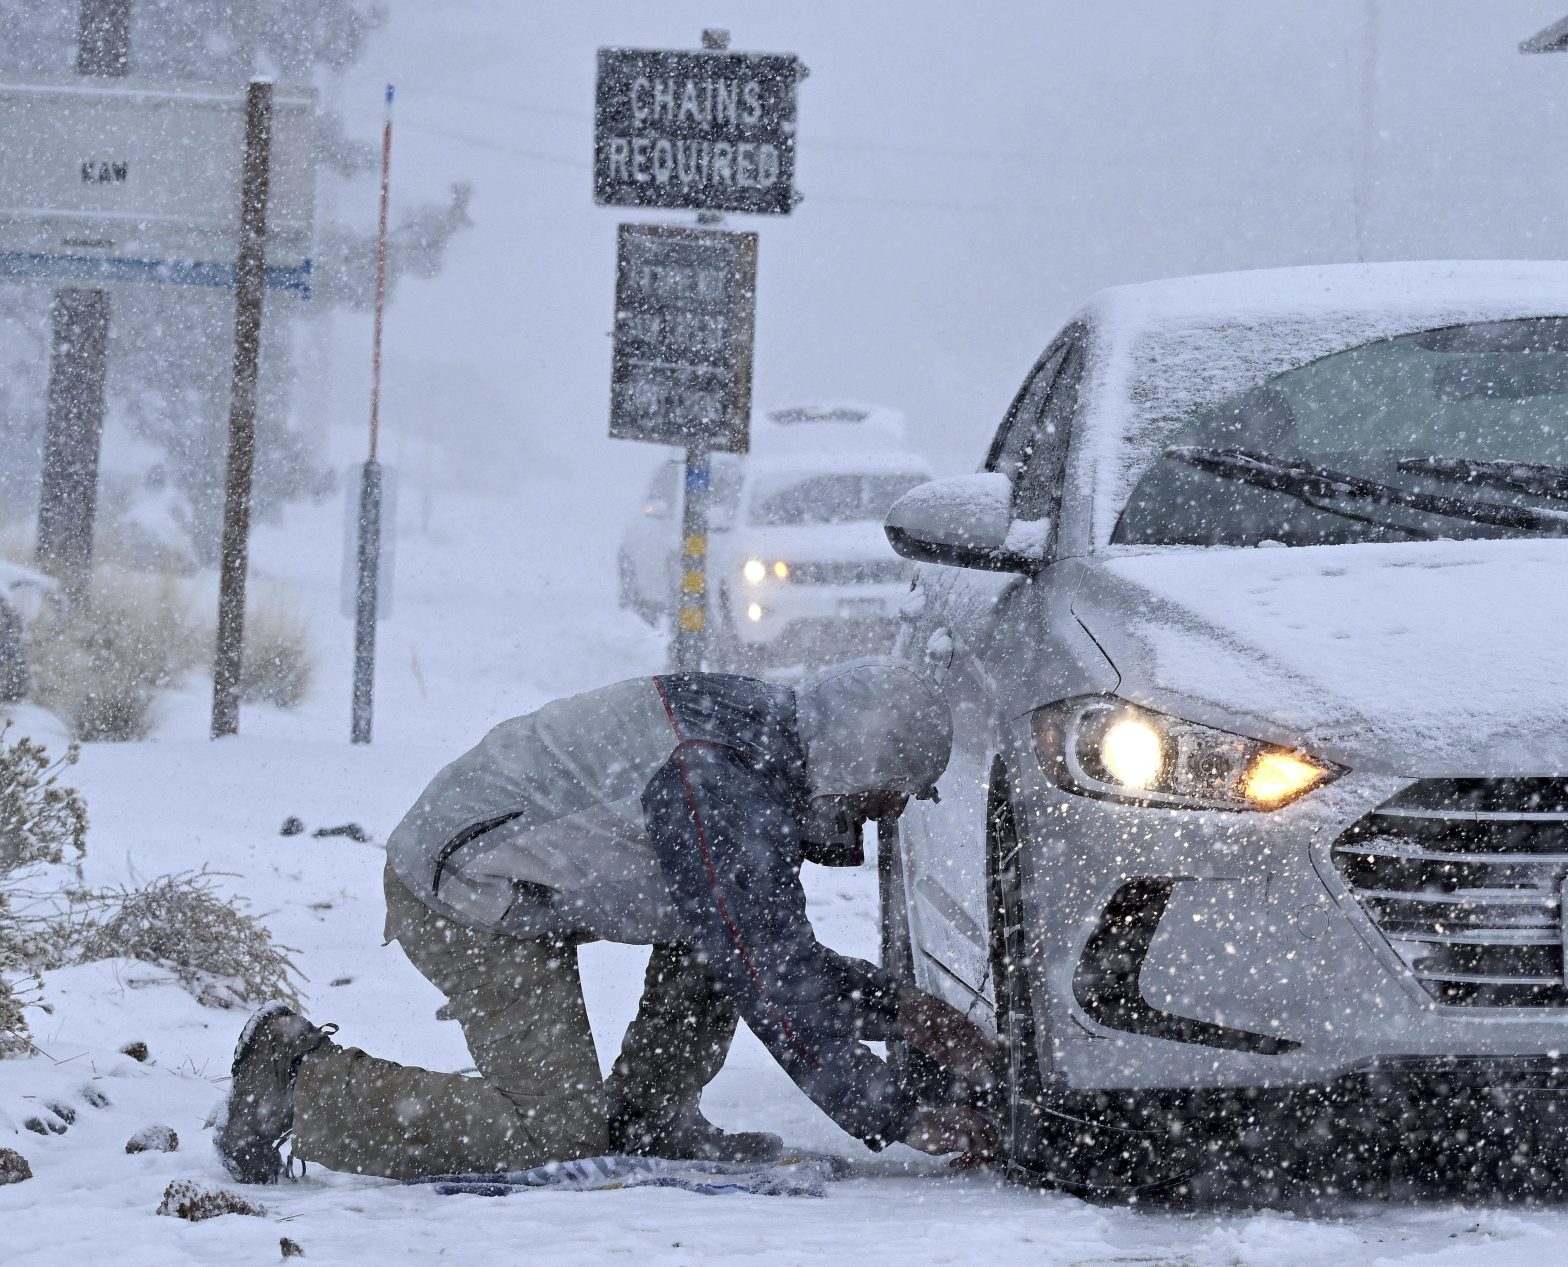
[1106,747]
[756,570]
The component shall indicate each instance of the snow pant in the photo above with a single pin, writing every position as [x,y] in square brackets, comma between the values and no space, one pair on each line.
[539,1096]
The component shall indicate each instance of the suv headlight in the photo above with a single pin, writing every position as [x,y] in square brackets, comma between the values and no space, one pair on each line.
[1106,747]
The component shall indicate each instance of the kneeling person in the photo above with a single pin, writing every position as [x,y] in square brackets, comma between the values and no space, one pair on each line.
[673,811]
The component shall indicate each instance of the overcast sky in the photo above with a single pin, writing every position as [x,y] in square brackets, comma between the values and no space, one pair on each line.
[971,173]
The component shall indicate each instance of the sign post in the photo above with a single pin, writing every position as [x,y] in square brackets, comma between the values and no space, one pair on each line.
[368,558]
[78,358]
[68,495]
[711,132]
[249,284]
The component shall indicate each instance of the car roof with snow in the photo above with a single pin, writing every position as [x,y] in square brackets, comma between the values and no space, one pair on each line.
[1159,350]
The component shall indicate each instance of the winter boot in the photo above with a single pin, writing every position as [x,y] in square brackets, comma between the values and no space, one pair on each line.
[261,1093]
[687,1136]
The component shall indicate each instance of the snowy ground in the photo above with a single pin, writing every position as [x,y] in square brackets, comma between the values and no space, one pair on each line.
[524,627]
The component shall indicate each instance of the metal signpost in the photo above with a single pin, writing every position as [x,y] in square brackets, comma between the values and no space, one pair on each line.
[709,131]
[368,557]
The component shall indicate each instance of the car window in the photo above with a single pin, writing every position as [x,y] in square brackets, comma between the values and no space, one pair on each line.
[1454,432]
[1015,439]
[831,499]
[1039,484]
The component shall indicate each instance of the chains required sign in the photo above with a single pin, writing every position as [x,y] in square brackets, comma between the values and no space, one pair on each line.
[695,131]
[685,304]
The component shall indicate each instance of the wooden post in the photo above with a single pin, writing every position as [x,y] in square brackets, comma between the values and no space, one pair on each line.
[103,37]
[68,498]
[78,359]
[249,289]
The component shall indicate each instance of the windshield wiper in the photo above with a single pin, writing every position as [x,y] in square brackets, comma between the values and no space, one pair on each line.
[1518,477]
[1308,482]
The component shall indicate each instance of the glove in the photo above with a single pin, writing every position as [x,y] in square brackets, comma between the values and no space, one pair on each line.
[954,1130]
[948,1037]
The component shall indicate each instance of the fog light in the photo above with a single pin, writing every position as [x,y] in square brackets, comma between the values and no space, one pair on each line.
[1133,752]
[1277,777]
[781,570]
[754,612]
[754,570]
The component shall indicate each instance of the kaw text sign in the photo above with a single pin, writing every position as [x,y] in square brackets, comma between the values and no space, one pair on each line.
[695,131]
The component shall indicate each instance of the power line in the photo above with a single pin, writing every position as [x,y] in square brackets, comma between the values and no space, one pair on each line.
[501,147]
[848,147]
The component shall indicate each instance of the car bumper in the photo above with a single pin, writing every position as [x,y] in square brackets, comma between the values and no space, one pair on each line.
[1195,949]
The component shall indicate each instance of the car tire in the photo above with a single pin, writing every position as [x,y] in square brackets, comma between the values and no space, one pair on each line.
[1111,1147]
[15,680]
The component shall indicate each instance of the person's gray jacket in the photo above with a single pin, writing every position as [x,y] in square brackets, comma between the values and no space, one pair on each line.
[671,809]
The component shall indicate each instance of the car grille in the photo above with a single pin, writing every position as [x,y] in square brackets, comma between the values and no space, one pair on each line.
[851,572]
[1465,877]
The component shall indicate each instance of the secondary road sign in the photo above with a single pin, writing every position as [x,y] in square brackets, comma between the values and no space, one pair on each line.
[108,181]
[695,131]
[685,304]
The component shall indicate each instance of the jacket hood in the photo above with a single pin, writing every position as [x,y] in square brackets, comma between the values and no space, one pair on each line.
[1424,659]
[873,725]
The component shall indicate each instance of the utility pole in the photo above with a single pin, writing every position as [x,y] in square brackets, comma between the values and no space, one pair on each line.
[249,287]
[78,359]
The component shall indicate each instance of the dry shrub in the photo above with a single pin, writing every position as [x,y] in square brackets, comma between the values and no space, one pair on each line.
[278,663]
[187,1199]
[42,823]
[40,820]
[221,955]
[101,664]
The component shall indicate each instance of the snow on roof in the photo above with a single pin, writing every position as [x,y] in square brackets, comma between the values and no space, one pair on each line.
[822,429]
[842,413]
[1159,350]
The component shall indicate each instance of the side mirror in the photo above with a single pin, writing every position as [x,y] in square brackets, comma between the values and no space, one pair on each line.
[965,522]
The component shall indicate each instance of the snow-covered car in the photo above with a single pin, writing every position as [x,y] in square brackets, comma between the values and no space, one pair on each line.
[1255,627]
[24,596]
[799,567]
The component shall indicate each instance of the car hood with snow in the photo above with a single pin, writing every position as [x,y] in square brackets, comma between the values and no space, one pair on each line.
[1424,660]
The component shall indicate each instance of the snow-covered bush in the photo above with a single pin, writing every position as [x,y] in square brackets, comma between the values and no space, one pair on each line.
[40,819]
[278,663]
[221,955]
[100,666]
[42,823]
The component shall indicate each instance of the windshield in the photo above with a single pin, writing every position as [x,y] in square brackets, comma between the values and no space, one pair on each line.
[1455,432]
[829,499]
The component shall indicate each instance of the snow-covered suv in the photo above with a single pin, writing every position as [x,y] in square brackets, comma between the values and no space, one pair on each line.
[799,568]
[1255,626]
